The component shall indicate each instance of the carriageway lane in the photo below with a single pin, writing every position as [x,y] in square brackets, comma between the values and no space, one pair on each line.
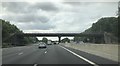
[53,54]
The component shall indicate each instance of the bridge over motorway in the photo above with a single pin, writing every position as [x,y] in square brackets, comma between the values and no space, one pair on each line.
[59,35]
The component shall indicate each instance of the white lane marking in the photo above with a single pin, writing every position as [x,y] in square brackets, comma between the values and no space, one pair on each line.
[20,53]
[35,64]
[45,51]
[80,56]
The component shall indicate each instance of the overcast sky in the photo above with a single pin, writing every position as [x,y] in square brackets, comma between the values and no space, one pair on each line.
[56,16]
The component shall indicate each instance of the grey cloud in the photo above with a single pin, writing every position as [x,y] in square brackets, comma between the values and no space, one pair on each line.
[27,18]
[24,7]
[79,15]
[15,7]
[72,3]
[84,16]
[36,26]
[46,6]
[79,3]
[24,12]
[32,18]
[90,0]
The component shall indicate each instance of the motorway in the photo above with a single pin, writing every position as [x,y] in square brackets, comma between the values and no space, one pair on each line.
[53,54]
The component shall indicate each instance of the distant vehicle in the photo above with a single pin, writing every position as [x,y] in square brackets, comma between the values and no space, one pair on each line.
[81,42]
[55,43]
[42,45]
[49,42]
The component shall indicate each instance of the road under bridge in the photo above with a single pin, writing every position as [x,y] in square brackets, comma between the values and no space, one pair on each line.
[59,35]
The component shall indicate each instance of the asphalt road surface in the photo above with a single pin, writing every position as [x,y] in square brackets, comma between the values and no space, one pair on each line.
[53,54]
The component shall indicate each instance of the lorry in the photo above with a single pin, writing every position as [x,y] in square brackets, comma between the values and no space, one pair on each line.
[49,42]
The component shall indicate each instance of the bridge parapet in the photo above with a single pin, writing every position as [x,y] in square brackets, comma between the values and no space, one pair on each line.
[63,34]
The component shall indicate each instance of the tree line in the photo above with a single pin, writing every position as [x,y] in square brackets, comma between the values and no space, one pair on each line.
[105,24]
[8,32]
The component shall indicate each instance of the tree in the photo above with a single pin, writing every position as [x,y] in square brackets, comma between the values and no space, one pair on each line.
[118,21]
[44,40]
[8,35]
[65,40]
[106,24]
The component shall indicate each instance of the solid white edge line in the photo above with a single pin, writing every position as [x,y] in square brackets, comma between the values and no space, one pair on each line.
[80,56]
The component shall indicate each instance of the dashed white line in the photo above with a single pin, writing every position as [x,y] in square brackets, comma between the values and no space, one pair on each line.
[80,56]
[35,64]
[20,53]
[45,51]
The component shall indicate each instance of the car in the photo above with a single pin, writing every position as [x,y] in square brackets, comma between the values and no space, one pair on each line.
[54,43]
[49,44]
[42,45]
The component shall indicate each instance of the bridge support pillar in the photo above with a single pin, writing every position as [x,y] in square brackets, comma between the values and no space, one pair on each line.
[59,39]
